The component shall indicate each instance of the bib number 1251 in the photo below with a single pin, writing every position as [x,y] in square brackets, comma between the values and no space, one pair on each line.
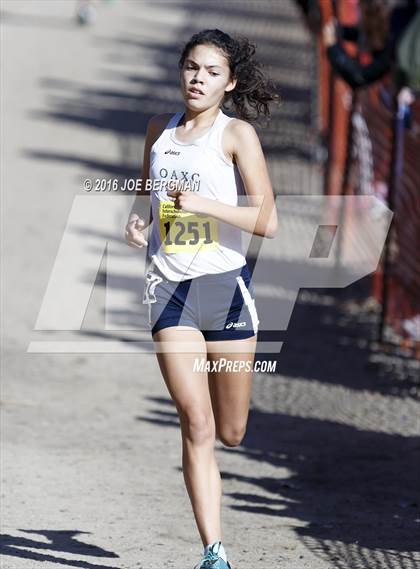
[184,232]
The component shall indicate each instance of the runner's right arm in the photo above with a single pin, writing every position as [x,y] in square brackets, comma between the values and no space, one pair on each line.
[136,221]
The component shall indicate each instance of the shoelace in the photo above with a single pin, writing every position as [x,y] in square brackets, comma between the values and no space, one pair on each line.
[208,560]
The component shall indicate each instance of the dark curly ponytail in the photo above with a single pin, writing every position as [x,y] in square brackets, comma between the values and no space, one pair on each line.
[253,91]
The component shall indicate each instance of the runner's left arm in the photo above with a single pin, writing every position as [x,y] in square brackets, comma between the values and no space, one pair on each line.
[260,216]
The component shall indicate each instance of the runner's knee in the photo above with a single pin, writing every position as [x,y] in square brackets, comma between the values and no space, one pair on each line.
[232,436]
[197,426]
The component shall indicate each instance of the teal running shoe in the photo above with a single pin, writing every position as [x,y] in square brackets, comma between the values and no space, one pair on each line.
[212,561]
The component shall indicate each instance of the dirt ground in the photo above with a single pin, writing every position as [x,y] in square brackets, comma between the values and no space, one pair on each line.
[327,475]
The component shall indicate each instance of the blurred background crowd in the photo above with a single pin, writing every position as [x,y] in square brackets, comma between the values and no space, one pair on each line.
[369,124]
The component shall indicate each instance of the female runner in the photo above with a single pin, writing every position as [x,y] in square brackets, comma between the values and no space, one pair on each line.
[198,284]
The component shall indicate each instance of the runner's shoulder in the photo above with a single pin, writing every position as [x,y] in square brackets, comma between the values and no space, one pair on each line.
[238,130]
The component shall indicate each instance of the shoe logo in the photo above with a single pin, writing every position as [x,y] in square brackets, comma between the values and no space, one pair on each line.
[174,152]
[235,325]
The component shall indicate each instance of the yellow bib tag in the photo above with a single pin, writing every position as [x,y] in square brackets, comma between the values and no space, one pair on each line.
[184,232]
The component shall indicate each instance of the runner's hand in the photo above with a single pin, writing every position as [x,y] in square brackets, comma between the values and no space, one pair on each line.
[187,201]
[133,232]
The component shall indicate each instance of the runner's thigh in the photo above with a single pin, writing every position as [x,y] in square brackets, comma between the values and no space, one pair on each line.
[177,349]
[231,390]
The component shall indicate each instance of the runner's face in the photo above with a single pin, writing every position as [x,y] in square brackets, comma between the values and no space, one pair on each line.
[205,69]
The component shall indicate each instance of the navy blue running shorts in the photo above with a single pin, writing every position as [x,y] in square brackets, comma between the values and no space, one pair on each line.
[221,306]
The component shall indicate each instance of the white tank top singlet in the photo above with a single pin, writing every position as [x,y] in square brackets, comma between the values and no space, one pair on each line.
[184,245]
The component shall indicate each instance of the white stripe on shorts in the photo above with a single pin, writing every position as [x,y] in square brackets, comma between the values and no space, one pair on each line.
[250,303]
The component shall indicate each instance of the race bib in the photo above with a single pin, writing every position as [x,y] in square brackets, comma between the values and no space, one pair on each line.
[184,232]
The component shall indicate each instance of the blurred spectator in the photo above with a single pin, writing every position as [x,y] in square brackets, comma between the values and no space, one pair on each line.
[373,42]
[86,12]
[408,55]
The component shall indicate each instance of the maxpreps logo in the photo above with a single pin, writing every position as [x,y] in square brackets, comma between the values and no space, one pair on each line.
[174,152]
[235,325]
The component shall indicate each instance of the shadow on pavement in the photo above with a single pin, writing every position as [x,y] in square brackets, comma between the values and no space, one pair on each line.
[332,338]
[356,490]
[61,541]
